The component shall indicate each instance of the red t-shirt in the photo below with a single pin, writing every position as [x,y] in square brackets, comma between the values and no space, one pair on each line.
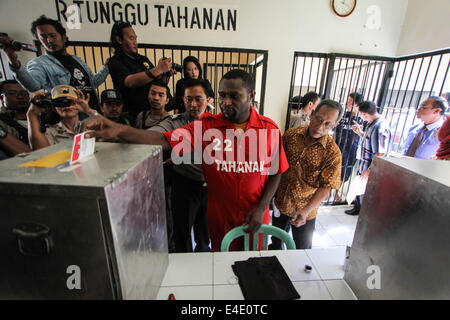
[236,165]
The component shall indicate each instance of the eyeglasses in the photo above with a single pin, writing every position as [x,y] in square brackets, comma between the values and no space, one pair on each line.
[18,93]
[424,108]
[199,100]
[327,124]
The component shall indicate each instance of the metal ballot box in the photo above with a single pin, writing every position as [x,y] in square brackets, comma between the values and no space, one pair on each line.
[401,247]
[92,231]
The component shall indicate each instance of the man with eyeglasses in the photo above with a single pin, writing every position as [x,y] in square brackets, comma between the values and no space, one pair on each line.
[189,193]
[422,140]
[67,102]
[314,169]
[158,97]
[13,121]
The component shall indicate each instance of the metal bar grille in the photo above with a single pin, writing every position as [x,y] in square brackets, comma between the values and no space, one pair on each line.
[217,62]
[397,85]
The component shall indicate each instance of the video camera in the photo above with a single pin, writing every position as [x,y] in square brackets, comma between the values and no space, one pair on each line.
[175,66]
[44,102]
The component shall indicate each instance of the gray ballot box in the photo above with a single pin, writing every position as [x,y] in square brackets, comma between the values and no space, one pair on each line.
[401,247]
[96,230]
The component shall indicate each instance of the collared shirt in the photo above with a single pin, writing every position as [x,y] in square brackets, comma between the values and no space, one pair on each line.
[430,142]
[300,119]
[235,169]
[121,66]
[191,171]
[376,139]
[310,167]
[145,120]
[59,133]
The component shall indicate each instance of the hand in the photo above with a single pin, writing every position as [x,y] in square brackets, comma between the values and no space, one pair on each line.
[254,220]
[106,62]
[10,52]
[365,174]
[83,102]
[34,109]
[300,218]
[357,128]
[164,65]
[102,128]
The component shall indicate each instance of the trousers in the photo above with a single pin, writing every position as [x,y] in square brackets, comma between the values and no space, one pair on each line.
[302,235]
[189,200]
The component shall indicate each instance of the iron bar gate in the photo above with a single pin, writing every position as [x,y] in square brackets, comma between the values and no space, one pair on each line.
[396,85]
[215,62]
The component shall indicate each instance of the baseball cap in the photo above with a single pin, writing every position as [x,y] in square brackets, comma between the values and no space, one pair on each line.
[63,91]
[110,95]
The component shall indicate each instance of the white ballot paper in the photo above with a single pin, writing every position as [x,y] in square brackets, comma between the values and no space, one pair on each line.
[357,187]
[82,147]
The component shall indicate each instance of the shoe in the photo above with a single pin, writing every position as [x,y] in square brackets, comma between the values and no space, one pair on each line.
[352,212]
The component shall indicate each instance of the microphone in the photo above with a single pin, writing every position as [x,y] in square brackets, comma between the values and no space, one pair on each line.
[16,45]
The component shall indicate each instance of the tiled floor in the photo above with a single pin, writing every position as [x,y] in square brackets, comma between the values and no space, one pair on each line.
[334,227]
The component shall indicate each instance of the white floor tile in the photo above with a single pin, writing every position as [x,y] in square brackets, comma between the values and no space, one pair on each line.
[312,290]
[322,239]
[228,292]
[294,263]
[186,293]
[223,273]
[329,262]
[185,271]
[340,290]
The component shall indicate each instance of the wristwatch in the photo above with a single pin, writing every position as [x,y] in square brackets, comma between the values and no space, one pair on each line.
[3,133]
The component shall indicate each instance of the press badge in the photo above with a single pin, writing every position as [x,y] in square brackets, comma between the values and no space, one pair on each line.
[82,147]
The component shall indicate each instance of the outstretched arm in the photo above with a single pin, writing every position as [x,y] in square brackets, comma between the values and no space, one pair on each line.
[105,129]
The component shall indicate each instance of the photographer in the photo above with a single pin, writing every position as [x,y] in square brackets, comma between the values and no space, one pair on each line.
[13,122]
[56,66]
[131,72]
[67,102]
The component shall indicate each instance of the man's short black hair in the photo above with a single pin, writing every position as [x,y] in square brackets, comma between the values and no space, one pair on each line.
[117,30]
[357,97]
[332,105]
[42,20]
[161,84]
[439,102]
[189,83]
[2,84]
[243,75]
[368,107]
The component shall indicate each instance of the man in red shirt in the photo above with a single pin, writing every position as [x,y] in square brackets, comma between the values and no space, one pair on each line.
[241,153]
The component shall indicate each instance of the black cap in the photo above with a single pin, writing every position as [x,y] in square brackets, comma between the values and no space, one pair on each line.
[110,95]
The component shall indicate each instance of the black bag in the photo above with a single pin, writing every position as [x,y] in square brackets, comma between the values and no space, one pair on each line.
[264,278]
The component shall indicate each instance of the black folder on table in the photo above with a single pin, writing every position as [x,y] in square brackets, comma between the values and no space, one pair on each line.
[264,278]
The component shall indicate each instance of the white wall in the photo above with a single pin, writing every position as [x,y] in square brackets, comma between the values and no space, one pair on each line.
[426,27]
[281,27]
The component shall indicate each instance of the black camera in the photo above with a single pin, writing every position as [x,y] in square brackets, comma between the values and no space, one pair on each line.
[175,66]
[43,102]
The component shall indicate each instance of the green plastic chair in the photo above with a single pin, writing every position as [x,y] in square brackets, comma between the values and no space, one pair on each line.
[265,230]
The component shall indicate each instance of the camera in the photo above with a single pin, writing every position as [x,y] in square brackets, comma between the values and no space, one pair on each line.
[44,102]
[175,66]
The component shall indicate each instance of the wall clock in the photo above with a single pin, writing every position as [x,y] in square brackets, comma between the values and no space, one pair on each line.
[343,8]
